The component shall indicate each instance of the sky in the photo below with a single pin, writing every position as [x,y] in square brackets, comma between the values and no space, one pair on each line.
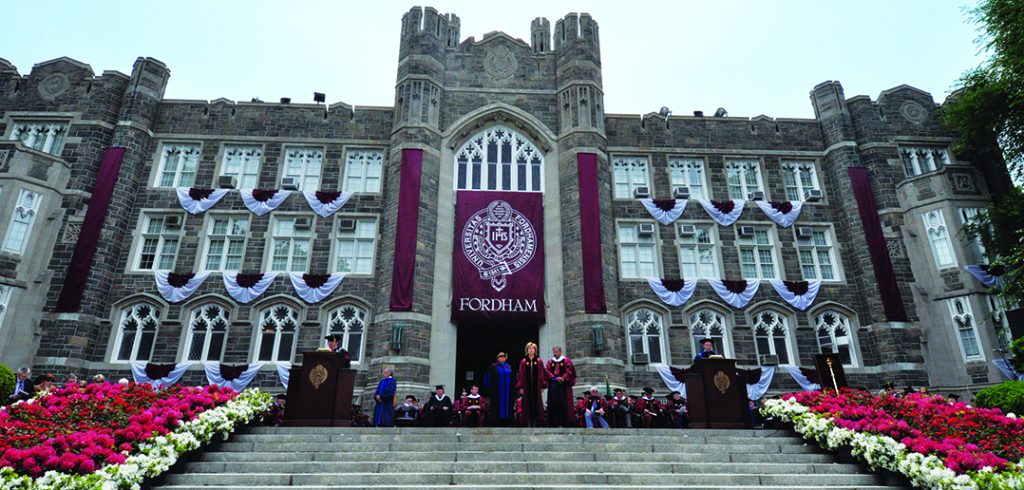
[750,57]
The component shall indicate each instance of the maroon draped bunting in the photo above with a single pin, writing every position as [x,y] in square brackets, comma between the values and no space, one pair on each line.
[263,195]
[798,288]
[738,287]
[590,234]
[783,207]
[993,270]
[199,194]
[158,371]
[749,376]
[179,280]
[231,373]
[498,264]
[725,207]
[315,280]
[404,265]
[248,280]
[327,197]
[885,276]
[673,285]
[665,204]
[88,238]
[679,373]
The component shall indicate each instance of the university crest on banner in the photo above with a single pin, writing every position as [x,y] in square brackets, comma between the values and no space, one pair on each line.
[498,266]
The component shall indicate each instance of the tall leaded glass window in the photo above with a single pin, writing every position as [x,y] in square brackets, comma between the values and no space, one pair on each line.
[709,324]
[178,163]
[499,159]
[629,173]
[743,177]
[835,335]
[771,336]
[645,328]
[278,329]
[938,237]
[208,330]
[966,327]
[349,323]
[363,171]
[304,165]
[47,137]
[688,172]
[242,163]
[798,177]
[136,333]
[23,217]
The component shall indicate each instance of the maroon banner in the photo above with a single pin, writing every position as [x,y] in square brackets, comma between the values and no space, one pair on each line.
[885,276]
[590,234]
[88,238]
[498,268]
[404,266]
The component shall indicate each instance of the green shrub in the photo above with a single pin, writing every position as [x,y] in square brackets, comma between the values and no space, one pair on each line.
[1008,396]
[6,383]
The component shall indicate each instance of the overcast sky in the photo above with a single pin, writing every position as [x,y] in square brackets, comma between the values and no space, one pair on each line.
[751,57]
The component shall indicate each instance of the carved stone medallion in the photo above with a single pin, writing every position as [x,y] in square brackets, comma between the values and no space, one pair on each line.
[721,382]
[500,62]
[913,112]
[53,85]
[317,376]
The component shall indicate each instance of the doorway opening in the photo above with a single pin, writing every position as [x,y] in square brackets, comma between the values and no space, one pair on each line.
[479,343]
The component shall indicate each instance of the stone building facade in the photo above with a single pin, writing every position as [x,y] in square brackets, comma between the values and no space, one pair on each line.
[547,93]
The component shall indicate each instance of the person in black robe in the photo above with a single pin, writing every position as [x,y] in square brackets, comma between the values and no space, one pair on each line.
[621,407]
[707,350]
[498,383]
[437,412]
[407,413]
[334,343]
[531,382]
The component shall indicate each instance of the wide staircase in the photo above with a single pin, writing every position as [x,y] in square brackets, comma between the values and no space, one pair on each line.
[321,458]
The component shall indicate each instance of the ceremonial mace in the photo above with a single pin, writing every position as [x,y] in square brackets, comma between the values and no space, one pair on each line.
[828,360]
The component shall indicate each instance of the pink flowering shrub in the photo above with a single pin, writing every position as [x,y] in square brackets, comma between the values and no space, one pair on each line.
[966,438]
[78,430]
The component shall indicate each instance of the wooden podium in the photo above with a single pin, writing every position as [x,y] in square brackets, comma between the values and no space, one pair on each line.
[320,392]
[716,397]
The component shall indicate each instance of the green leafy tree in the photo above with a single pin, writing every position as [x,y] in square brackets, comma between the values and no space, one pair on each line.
[7,383]
[988,112]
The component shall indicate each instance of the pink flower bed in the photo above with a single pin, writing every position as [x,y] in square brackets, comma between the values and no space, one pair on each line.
[78,430]
[965,438]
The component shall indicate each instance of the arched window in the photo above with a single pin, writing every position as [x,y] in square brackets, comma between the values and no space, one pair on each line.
[771,336]
[136,332]
[279,325]
[835,335]
[207,331]
[349,323]
[499,159]
[709,324]
[645,329]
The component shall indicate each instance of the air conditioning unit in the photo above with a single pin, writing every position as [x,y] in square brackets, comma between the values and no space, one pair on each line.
[812,195]
[804,233]
[303,223]
[172,221]
[645,229]
[746,231]
[346,225]
[687,230]
[227,182]
[641,358]
[642,192]
[768,360]
[290,183]
[681,192]
[755,196]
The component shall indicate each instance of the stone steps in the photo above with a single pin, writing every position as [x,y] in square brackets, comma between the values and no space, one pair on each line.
[323,458]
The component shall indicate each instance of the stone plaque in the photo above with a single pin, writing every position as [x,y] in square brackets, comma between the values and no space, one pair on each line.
[53,86]
[500,62]
[913,112]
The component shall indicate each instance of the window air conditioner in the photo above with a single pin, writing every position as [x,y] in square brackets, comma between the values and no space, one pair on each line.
[804,233]
[172,221]
[768,360]
[645,229]
[746,231]
[303,223]
[290,183]
[812,195]
[642,192]
[226,182]
[346,225]
[641,358]
[755,196]
[687,230]
[681,192]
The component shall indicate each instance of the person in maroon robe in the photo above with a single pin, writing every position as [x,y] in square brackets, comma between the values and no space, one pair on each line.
[532,380]
[674,411]
[648,408]
[562,378]
[474,409]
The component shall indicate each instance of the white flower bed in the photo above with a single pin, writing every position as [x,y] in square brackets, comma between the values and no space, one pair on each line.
[155,456]
[883,452]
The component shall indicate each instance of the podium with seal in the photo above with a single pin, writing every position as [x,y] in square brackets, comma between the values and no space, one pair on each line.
[716,397]
[320,392]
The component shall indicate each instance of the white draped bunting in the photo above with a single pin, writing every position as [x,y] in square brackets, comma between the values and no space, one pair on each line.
[175,294]
[784,220]
[801,302]
[756,391]
[724,219]
[196,206]
[805,384]
[662,216]
[259,208]
[311,294]
[284,369]
[983,276]
[238,384]
[737,300]
[243,294]
[139,373]
[326,209]
[1004,367]
[673,298]
[670,380]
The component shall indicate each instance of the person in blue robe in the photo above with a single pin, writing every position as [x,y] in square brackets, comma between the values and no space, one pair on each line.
[707,350]
[498,383]
[384,411]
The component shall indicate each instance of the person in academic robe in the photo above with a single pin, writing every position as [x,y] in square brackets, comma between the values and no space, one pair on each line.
[674,411]
[407,413]
[475,409]
[437,412]
[648,408]
[498,383]
[24,388]
[519,411]
[579,408]
[620,409]
[561,379]
[275,414]
[334,343]
[384,397]
[457,406]
[707,349]
[531,382]
[595,409]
